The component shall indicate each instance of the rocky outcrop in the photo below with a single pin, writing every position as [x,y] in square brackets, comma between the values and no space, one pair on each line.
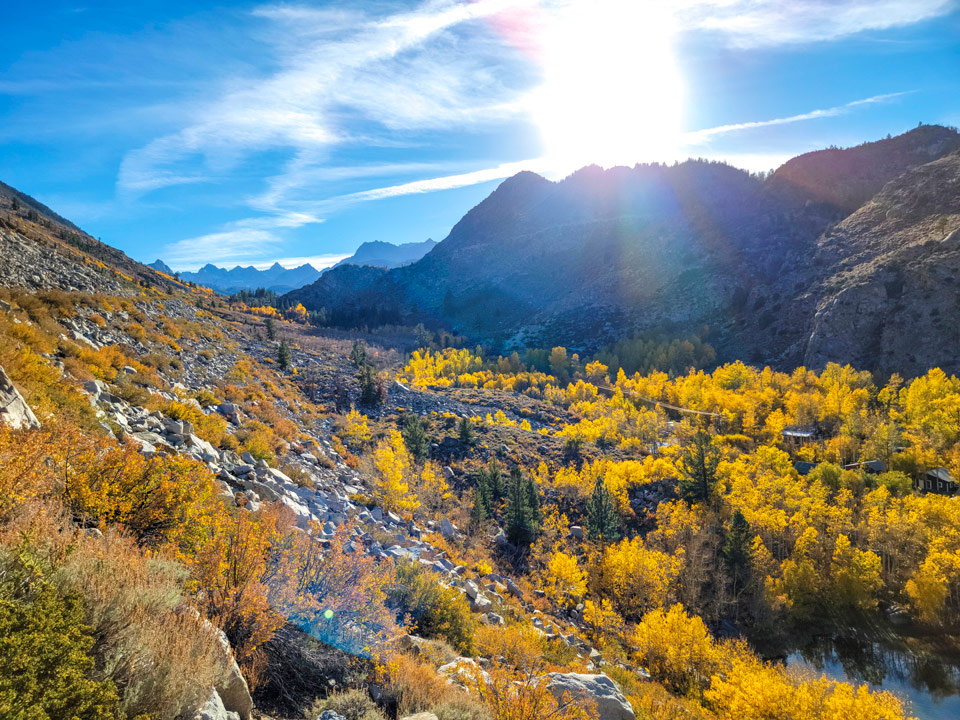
[599,689]
[14,410]
[213,709]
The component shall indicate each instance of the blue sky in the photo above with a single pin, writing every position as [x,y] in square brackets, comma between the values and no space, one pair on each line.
[254,132]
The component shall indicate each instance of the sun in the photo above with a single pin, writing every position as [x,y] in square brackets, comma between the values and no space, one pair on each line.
[612,93]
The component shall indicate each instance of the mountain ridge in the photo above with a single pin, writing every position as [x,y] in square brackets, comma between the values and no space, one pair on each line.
[588,259]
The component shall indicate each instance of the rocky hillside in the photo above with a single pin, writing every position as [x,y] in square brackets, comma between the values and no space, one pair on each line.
[601,254]
[209,516]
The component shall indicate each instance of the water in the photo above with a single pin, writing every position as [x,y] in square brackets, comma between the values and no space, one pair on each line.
[925,676]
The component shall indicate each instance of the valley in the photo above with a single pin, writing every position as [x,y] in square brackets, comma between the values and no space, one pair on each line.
[364,523]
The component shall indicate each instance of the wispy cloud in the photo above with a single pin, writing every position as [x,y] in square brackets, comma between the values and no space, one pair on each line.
[765,23]
[700,136]
[341,81]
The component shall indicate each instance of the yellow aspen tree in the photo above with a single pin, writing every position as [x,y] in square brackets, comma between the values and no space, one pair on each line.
[394,464]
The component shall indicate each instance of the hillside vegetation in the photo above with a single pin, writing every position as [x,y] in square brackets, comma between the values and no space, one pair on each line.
[222,510]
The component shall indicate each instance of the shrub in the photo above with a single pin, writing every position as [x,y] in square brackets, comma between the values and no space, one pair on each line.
[462,707]
[350,704]
[414,687]
[438,611]
[161,654]
[45,669]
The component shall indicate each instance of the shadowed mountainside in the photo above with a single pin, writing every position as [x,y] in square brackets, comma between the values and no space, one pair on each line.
[603,253]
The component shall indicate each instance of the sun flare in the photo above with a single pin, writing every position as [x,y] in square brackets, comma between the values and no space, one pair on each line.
[612,93]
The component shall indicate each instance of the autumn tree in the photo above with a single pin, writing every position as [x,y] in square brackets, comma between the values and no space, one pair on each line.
[393,464]
[563,579]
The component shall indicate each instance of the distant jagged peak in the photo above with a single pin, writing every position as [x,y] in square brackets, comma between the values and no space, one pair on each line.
[160,266]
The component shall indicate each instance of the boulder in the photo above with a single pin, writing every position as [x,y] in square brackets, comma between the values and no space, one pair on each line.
[601,690]
[447,528]
[213,709]
[482,604]
[232,691]
[461,669]
[14,410]
[329,715]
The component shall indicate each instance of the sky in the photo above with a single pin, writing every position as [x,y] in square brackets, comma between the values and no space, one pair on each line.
[249,133]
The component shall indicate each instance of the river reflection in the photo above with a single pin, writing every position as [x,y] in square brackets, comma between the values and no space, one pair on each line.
[924,675]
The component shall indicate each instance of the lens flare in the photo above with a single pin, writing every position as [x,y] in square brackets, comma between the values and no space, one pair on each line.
[612,91]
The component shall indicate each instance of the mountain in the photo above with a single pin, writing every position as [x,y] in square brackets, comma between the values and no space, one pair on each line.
[276,277]
[378,253]
[160,266]
[40,250]
[281,280]
[766,263]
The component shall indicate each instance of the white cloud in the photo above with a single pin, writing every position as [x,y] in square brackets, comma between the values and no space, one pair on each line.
[700,136]
[341,81]
[758,23]
[221,248]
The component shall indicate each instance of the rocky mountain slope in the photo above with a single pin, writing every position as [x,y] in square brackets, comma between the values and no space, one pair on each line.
[589,259]
[165,348]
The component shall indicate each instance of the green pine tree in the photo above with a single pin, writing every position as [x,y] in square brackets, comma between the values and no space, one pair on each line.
[735,553]
[494,480]
[522,513]
[603,523]
[358,356]
[698,463]
[283,355]
[466,432]
[414,432]
[533,503]
[271,329]
[479,513]
[372,390]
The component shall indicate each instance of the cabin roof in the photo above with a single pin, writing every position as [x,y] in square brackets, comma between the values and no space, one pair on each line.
[799,431]
[941,473]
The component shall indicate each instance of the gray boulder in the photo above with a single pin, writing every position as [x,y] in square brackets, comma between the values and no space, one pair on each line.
[213,709]
[14,410]
[610,701]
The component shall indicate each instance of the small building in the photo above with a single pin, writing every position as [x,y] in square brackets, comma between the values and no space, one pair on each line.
[803,467]
[874,467]
[938,480]
[800,434]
